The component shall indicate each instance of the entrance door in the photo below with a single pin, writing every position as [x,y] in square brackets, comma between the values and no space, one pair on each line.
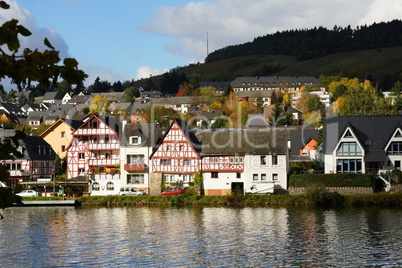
[237,188]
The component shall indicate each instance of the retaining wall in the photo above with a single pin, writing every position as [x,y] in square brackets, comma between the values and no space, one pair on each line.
[341,190]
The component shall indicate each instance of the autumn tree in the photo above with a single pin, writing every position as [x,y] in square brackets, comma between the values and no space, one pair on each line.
[130,94]
[99,105]
[161,115]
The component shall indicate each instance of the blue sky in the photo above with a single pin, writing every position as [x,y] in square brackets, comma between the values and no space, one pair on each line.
[133,39]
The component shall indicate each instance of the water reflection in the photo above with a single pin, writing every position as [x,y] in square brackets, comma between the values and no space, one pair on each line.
[202,237]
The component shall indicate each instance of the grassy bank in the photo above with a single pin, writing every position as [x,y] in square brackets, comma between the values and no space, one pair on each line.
[310,199]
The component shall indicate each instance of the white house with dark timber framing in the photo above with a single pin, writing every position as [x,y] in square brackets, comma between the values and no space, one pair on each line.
[362,144]
[234,160]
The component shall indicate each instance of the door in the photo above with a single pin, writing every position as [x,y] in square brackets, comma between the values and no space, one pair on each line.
[238,188]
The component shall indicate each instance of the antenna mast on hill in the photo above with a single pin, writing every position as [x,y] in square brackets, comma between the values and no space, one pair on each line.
[207,45]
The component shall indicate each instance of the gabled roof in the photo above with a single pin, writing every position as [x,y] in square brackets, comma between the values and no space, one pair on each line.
[53,95]
[150,134]
[267,141]
[373,132]
[32,145]
[74,124]
[300,137]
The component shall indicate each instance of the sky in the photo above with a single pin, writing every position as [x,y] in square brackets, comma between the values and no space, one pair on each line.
[124,40]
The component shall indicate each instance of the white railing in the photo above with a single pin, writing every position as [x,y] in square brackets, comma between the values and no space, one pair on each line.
[14,173]
[103,146]
[103,162]
[104,176]
[94,131]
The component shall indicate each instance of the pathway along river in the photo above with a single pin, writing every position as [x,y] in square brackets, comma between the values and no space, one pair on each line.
[200,237]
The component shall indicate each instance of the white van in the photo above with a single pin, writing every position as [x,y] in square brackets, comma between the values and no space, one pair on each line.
[262,188]
[130,191]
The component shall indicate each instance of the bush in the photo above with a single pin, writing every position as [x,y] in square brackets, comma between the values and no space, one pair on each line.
[331,180]
[319,195]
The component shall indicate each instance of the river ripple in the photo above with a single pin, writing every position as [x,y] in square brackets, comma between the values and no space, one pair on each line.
[200,237]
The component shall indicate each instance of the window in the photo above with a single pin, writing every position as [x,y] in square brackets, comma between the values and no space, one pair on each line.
[263,160]
[181,148]
[211,160]
[63,134]
[63,148]
[186,162]
[255,177]
[166,162]
[135,159]
[95,186]
[231,160]
[134,140]
[349,165]
[349,149]
[168,148]
[238,175]
[135,179]
[274,160]
[263,177]
[398,164]
[274,176]
[81,156]
[109,186]
[81,171]
[214,175]
[106,139]
[395,147]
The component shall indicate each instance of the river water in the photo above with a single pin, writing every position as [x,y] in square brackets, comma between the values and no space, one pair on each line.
[200,237]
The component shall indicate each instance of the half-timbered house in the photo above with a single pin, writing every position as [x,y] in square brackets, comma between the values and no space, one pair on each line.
[177,156]
[94,155]
[233,160]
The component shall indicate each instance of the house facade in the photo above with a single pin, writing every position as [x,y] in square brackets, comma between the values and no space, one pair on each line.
[59,135]
[235,160]
[94,155]
[137,144]
[362,144]
[177,156]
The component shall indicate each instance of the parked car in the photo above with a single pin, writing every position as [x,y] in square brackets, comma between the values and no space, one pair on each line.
[266,188]
[173,191]
[130,191]
[28,193]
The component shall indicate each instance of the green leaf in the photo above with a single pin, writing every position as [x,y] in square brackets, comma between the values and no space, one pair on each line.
[47,43]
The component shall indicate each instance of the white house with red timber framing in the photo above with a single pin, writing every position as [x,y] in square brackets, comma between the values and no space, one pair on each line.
[94,155]
[177,156]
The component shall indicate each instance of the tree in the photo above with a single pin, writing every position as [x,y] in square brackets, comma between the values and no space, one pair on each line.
[276,114]
[63,87]
[99,86]
[130,94]
[220,122]
[99,105]
[33,65]
[60,165]
[161,115]
[22,99]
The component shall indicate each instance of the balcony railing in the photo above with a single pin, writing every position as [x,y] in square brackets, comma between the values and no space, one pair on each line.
[103,162]
[94,131]
[135,167]
[103,146]
[15,173]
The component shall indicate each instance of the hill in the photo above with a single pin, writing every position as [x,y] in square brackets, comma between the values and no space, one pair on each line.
[382,65]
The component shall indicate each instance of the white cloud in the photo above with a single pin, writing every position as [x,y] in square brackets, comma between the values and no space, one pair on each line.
[147,71]
[230,22]
[104,74]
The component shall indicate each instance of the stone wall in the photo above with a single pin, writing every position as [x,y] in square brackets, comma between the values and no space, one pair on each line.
[155,183]
[341,190]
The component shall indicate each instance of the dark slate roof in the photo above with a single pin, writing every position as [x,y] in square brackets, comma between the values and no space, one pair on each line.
[150,134]
[373,132]
[300,137]
[53,95]
[112,121]
[33,145]
[73,123]
[265,141]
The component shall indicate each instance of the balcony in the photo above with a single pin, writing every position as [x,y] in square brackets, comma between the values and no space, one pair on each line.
[94,131]
[16,173]
[103,146]
[135,167]
[103,162]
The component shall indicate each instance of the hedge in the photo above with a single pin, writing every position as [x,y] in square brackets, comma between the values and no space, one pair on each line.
[331,180]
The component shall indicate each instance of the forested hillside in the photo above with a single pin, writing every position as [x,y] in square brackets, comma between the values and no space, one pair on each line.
[312,43]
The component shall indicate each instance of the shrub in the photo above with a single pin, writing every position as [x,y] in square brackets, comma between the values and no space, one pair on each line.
[319,195]
[331,180]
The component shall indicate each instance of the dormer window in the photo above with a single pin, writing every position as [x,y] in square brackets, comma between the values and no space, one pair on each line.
[135,140]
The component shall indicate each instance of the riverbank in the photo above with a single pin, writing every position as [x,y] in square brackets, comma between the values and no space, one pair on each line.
[380,199]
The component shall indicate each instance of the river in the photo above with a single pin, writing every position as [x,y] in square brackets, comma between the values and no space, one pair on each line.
[200,237]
